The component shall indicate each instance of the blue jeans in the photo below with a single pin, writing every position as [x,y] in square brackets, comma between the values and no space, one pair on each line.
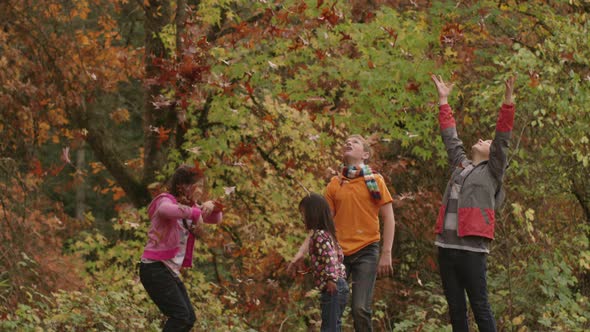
[465,271]
[169,294]
[333,306]
[362,267]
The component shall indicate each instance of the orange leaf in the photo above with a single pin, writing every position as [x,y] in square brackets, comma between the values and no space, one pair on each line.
[268,118]
[163,135]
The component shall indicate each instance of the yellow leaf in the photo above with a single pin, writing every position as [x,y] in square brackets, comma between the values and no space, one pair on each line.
[120,115]
[530,214]
[467,120]
[449,52]
[84,40]
[518,320]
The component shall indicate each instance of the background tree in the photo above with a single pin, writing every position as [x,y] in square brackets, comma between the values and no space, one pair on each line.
[259,95]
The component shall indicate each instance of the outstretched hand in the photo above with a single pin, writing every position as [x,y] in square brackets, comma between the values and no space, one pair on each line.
[295,265]
[508,100]
[444,89]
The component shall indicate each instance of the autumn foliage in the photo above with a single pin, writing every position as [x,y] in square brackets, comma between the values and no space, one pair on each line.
[100,100]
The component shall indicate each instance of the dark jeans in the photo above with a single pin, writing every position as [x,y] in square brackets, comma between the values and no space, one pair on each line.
[333,306]
[362,267]
[168,292]
[461,271]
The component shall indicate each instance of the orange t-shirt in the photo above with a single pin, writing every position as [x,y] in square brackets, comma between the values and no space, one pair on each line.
[356,214]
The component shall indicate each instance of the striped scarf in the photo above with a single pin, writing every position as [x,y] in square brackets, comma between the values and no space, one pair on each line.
[352,172]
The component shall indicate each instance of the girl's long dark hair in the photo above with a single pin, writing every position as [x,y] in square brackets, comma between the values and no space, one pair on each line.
[317,214]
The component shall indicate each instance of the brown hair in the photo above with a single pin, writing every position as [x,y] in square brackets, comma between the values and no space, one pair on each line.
[317,213]
[184,174]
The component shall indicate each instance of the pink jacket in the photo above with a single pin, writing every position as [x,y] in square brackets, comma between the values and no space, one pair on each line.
[163,236]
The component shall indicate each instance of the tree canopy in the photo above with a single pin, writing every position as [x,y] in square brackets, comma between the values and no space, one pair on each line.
[102,99]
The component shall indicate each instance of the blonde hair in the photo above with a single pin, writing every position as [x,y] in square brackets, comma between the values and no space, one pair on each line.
[366,145]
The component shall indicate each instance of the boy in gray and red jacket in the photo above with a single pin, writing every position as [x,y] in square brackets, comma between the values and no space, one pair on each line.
[466,219]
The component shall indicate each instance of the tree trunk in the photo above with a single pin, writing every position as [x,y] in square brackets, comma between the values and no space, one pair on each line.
[80,188]
[156,120]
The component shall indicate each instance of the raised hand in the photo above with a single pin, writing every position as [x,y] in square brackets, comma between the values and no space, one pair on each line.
[444,89]
[207,208]
[508,98]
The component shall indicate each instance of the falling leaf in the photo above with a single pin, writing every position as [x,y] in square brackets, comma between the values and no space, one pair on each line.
[196,150]
[65,155]
[229,190]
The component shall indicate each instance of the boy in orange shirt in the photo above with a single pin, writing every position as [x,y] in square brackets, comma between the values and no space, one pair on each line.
[357,197]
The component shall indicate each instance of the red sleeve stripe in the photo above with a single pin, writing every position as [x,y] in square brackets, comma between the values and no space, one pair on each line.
[445,117]
[506,118]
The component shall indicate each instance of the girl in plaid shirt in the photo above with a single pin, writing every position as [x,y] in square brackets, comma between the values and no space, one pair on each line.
[328,271]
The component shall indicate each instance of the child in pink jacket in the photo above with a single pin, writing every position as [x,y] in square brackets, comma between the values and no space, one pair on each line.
[174,217]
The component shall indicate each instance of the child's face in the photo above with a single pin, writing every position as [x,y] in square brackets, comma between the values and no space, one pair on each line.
[193,191]
[354,151]
[482,148]
[197,190]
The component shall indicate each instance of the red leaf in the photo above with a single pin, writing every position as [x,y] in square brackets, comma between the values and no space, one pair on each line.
[413,87]
[451,34]
[284,96]
[567,55]
[321,55]
[345,36]
[290,164]
[244,150]
[329,15]
[249,88]
[56,169]
[37,168]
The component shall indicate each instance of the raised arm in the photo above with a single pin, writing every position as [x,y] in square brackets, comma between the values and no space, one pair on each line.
[499,148]
[298,259]
[168,209]
[448,129]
